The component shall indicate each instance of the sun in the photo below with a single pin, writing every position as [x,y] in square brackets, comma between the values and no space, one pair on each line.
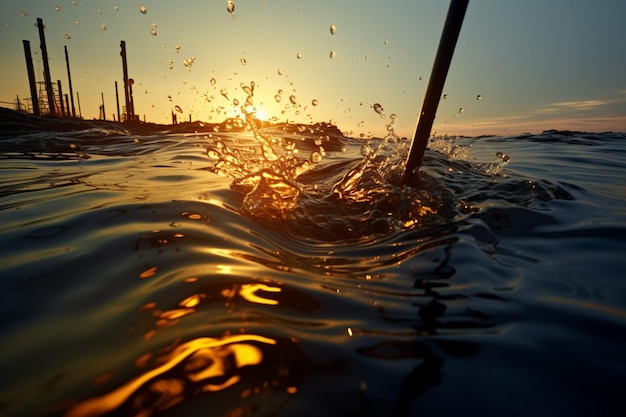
[260,114]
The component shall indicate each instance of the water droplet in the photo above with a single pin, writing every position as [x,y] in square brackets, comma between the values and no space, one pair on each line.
[243,61]
[143,9]
[230,6]
[153,32]
[332,54]
[235,102]
[116,8]
[379,109]
[280,91]
[279,71]
[292,98]
[393,117]
[479,97]
[178,109]
[77,22]
[67,36]
[212,81]
[177,48]
[277,98]
[170,64]
[189,62]
[315,157]
[298,55]
[57,8]
[224,93]
[386,42]
[366,150]
[103,26]
[445,96]
[314,102]
[333,29]
[460,110]
[24,12]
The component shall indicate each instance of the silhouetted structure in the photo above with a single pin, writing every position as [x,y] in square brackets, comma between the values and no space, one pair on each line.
[80,112]
[128,95]
[69,80]
[103,114]
[117,102]
[46,66]
[31,76]
[61,106]
[45,102]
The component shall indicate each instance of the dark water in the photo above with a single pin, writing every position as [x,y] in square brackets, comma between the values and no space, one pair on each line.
[136,281]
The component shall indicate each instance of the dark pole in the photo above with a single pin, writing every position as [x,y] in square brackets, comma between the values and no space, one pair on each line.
[104,114]
[67,105]
[46,66]
[117,102]
[69,80]
[61,107]
[132,101]
[80,112]
[31,76]
[125,71]
[447,43]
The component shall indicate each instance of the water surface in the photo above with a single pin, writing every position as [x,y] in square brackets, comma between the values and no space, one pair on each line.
[137,281]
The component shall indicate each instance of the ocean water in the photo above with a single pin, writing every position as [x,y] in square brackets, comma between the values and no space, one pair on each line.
[219,274]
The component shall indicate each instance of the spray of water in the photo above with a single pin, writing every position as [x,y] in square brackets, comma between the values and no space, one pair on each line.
[287,178]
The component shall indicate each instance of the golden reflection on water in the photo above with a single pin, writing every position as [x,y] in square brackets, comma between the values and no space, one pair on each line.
[200,365]
[212,363]
[248,292]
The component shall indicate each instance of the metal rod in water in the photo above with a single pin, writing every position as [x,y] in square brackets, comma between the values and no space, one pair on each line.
[438,75]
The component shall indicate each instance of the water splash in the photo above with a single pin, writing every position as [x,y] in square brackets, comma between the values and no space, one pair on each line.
[496,167]
[318,199]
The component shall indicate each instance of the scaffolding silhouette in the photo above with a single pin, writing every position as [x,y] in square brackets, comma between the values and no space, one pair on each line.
[44,108]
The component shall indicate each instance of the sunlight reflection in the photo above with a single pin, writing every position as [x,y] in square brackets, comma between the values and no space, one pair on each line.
[248,292]
[211,362]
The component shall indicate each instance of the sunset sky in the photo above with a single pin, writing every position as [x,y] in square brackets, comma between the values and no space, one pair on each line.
[536,64]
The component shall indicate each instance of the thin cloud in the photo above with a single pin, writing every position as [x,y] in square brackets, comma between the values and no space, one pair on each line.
[581,104]
[511,125]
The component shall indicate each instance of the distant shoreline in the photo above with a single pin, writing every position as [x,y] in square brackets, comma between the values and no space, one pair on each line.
[16,122]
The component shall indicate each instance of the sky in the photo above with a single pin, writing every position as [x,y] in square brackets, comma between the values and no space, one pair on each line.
[519,66]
